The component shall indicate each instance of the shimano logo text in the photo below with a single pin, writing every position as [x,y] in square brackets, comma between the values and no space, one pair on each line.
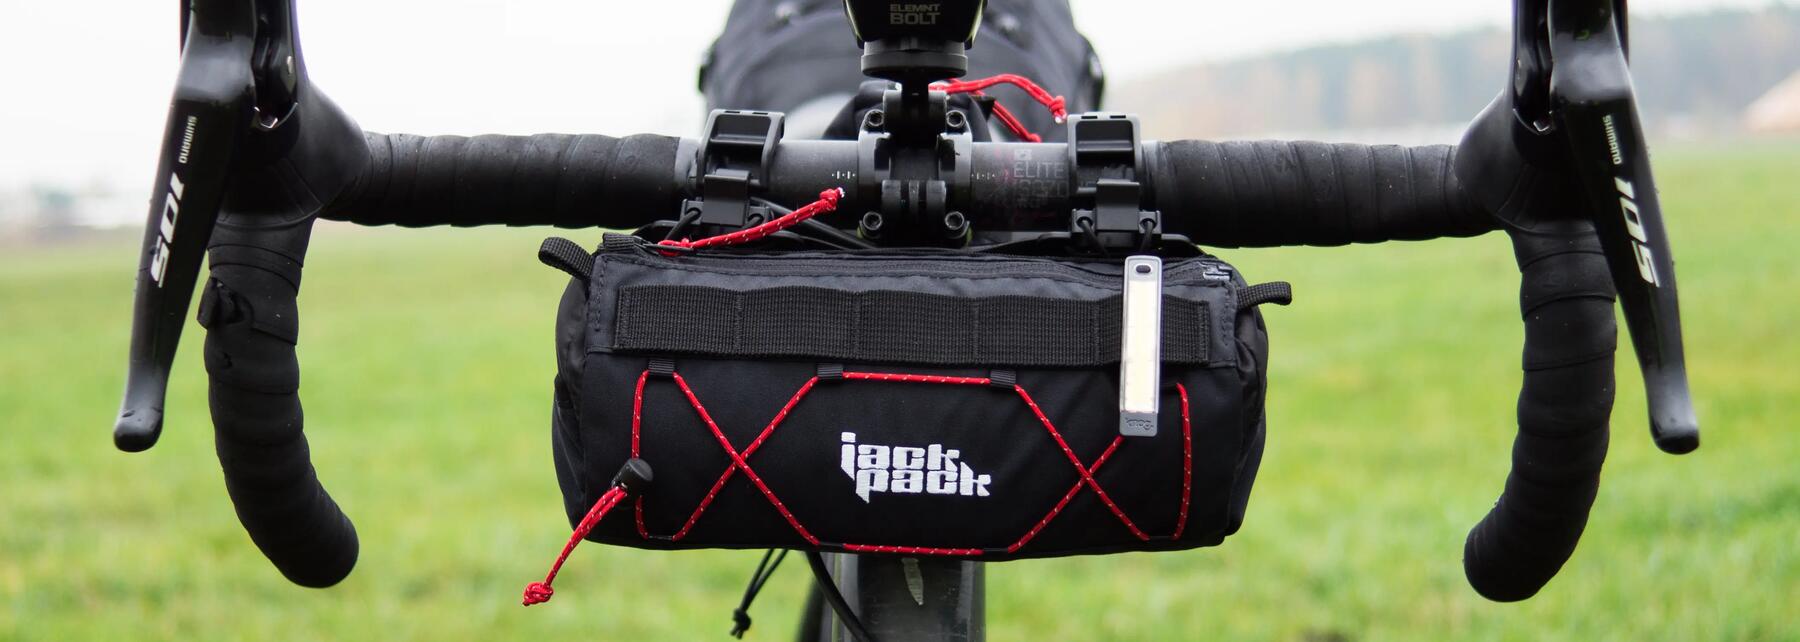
[171,208]
[187,140]
[1612,140]
[932,470]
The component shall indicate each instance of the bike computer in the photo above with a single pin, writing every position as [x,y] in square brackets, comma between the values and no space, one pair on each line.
[905,41]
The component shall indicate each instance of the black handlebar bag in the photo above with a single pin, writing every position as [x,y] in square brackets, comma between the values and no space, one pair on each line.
[916,402]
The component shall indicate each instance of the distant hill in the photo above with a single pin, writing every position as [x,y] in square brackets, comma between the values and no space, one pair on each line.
[1694,72]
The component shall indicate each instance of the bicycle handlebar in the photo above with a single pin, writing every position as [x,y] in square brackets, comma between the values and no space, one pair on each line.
[1263,193]
[270,154]
[250,313]
[1269,193]
[1566,299]
[547,179]
[1223,194]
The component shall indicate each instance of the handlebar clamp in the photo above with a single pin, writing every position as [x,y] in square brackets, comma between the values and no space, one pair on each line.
[732,160]
[1107,165]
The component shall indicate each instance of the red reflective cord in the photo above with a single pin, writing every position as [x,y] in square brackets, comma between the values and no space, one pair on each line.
[1087,475]
[740,461]
[974,87]
[1187,462]
[1006,117]
[737,459]
[540,592]
[1054,103]
[637,419]
[828,201]
[917,378]
[729,470]
[1073,490]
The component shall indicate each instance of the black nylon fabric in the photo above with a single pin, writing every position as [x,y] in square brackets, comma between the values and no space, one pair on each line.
[967,465]
[885,326]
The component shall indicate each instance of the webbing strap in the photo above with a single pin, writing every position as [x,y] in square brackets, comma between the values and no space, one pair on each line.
[1276,292]
[885,326]
[563,254]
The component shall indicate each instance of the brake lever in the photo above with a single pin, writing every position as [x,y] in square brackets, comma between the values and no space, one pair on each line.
[208,115]
[1591,92]
[1566,132]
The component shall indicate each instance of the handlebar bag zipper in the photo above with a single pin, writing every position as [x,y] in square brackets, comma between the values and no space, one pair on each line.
[919,402]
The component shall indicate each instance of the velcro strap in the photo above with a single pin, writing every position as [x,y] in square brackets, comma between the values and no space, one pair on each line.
[886,326]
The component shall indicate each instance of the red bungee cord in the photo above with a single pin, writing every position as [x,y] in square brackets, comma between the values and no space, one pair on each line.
[633,479]
[540,592]
[828,201]
[974,88]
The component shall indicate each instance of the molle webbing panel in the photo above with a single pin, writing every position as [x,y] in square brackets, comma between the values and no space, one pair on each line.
[888,326]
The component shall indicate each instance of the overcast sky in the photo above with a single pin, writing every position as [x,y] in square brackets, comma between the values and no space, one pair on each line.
[86,85]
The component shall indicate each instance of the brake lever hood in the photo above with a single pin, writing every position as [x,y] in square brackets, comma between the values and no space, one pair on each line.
[1566,133]
[239,70]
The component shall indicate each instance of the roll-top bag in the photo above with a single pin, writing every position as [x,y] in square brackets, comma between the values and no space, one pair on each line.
[916,402]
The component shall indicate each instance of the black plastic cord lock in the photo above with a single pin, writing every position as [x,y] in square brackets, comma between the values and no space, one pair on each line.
[635,476]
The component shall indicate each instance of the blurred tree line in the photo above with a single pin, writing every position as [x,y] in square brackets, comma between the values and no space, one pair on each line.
[1694,72]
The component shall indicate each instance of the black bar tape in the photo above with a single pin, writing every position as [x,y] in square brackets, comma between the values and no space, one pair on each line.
[249,311]
[1566,297]
[545,179]
[1266,193]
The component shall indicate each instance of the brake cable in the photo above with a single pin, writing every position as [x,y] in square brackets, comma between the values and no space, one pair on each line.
[830,233]
[681,225]
[828,587]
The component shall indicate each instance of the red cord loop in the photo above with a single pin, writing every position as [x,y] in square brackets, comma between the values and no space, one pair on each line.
[540,592]
[1006,117]
[1055,104]
[827,203]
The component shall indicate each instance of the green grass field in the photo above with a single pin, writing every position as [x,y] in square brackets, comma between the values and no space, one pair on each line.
[427,384]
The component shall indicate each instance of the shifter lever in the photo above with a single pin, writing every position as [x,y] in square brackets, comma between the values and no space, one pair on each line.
[1591,87]
[1566,132]
[210,111]
[237,71]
